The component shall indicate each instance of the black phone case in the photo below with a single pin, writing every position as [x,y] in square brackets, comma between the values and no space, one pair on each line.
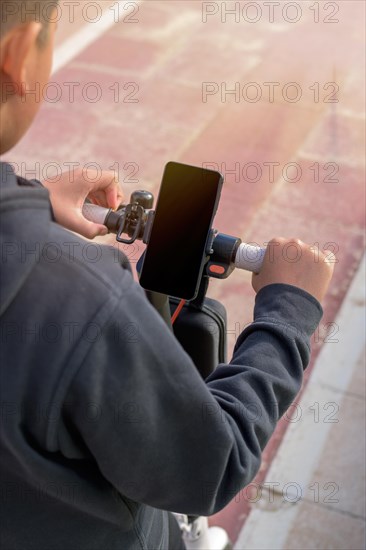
[142,263]
[201,330]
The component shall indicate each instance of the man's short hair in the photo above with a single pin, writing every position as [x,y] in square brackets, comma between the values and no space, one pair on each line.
[18,12]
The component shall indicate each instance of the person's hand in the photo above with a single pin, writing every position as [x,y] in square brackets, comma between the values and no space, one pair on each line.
[291,261]
[68,194]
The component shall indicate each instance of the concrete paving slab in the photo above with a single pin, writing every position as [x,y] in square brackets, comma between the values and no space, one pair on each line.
[357,385]
[338,480]
[318,528]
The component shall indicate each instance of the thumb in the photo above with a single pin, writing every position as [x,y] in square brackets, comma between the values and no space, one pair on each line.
[113,198]
[93,230]
[89,229]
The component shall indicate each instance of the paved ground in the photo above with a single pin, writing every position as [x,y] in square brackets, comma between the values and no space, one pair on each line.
[273,95]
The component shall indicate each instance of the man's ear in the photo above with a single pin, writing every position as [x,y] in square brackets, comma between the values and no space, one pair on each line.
[16,47]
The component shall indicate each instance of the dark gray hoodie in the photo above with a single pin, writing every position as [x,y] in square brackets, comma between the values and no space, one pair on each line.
[105,421]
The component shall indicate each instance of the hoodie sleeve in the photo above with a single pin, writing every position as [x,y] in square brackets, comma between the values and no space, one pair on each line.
[162,435]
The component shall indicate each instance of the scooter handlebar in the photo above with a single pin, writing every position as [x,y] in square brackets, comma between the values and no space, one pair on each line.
[248,257]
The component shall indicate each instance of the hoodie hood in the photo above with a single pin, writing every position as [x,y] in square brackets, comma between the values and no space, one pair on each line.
[25,218]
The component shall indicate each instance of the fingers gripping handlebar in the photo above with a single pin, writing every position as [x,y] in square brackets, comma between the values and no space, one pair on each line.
[135,219]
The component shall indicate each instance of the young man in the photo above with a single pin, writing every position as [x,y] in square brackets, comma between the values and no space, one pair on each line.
[101,433]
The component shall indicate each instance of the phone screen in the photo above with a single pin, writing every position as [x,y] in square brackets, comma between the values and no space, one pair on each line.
[187,202]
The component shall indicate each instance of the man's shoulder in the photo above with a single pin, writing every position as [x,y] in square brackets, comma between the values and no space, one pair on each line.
[84,262]
[48,261]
